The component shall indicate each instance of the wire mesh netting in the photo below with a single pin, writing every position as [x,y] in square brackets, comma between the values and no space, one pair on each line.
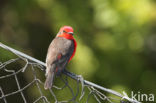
[22,81]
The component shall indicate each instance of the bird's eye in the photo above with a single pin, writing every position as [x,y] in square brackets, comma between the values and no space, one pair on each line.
[64,31]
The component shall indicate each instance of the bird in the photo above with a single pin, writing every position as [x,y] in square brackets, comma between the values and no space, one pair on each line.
[60,52]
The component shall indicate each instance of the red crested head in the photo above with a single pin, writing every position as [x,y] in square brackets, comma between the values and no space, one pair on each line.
[66,30]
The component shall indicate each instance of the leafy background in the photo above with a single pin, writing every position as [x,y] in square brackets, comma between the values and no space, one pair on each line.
[116,38]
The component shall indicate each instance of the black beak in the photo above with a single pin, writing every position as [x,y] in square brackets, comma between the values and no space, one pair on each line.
[71,33]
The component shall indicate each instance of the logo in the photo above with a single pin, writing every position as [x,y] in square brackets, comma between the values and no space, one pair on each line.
[141,97]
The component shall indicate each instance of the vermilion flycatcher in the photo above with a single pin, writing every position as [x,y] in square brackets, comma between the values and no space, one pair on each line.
[60,52]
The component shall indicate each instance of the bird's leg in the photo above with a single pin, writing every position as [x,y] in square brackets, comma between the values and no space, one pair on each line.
[58,72]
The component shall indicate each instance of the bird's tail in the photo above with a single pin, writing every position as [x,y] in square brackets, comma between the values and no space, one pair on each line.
[49,81]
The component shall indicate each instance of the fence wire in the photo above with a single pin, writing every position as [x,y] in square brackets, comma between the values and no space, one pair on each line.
[81,92]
